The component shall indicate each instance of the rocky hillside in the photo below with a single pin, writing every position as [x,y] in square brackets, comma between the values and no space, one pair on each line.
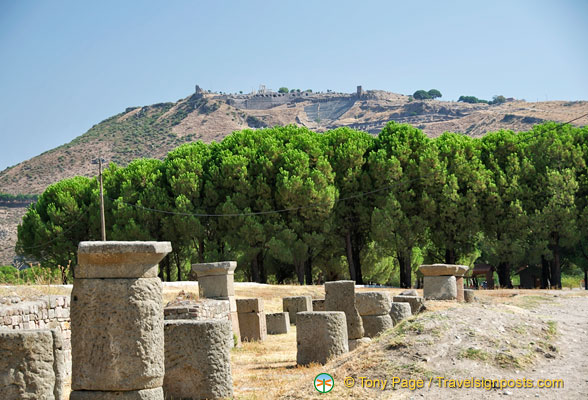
[152,131]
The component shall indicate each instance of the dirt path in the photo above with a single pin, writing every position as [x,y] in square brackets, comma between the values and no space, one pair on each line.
[567,361]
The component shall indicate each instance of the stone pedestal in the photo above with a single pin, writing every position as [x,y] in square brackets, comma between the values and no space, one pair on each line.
[469,296]
[439,287]
[296,304]
[340,296]
[443,281]
[399,311]
[117,320]
[216,281]
[320,336]
[277,323]
[252,323]
[197,360]
[417,303]
[459,287]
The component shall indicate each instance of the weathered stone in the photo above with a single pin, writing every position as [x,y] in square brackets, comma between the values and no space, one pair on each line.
[459,287]
[216,280]
[372,303]
[439,287]
[249,305]
[373,325]
[417,303]
[320,336]
[197,360]
[318,305]
[144,394]
[443,269]
[409,292]
[296,304]
[340,296]
[117,334]
[277,323]
[399,311]
[252,326]
[105,259]
[355,343]
[469,295]
[31,365]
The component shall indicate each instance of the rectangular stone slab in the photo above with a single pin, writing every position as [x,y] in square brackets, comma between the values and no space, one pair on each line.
[112,259]
[117,334]
[249,305]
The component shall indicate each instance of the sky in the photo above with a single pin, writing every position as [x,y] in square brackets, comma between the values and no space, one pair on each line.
[67,65]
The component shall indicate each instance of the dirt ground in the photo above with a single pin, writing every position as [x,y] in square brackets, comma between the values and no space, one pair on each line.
[505,335]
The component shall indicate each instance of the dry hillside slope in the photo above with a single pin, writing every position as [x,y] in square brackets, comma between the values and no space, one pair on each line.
[152,131]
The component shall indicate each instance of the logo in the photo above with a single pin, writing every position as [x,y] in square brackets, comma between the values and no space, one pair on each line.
[323,383]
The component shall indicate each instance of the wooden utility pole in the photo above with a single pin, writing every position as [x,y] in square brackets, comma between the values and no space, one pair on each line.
[102,220]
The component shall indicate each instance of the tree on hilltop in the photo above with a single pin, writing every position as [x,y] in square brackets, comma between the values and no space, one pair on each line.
[434,93]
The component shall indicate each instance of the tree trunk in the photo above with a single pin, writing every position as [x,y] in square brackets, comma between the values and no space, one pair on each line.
[178,265]
[201,251]
[308,270]
[349,249]
[450,256]
[545,273]
[299,267]
[167,268]
[586,278]
[504,275]
[556,264]
[404,260]
[254,269]
[262,273]
[357,264]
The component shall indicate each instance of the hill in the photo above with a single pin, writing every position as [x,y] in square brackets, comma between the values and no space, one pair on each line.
[152,131]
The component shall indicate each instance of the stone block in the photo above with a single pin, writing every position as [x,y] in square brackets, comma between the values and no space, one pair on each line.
[117,334]
[32,365]
[296,304]
[318,305]
[252,326]
[197,360]
[340,296]
[459,287]
[409,292]
[443,270]
[440,287]
[320,336]
[372,303]
[373,325]
[145,394]
[114,259]
[277,323]
[399,311]
[249,305]
[355,343]
[216,286]
[417,303]
[215,279]
[469,295]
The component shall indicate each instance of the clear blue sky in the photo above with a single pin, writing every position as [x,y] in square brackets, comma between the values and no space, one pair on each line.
[67,65]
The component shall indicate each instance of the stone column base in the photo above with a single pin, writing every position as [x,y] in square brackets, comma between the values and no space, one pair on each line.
[144,394]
